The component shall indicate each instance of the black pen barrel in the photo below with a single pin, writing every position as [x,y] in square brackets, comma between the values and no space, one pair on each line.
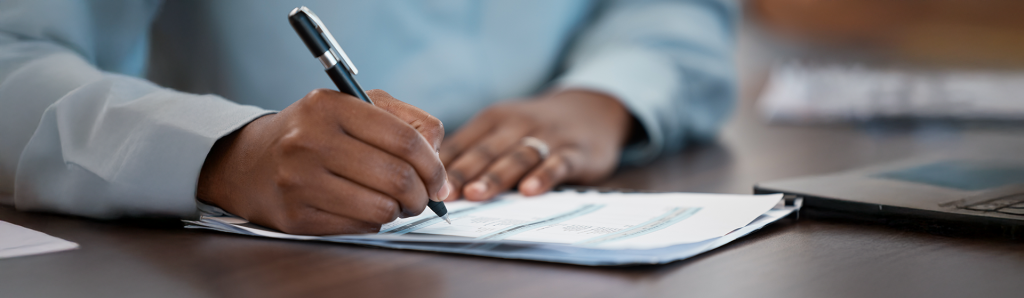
[308,33]
[346,83]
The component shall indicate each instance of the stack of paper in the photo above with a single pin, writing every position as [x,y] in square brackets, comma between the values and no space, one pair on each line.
[588,228]
[16,241]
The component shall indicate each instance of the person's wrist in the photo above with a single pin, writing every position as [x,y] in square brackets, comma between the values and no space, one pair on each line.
[206,188]
[214,178]
[608,107]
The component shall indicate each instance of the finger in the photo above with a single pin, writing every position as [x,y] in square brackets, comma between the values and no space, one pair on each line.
[558,168]
[380,129]
[375,170]
[313,221]
[469,134]
[480,155]
[346,198]
[503,174]
[429,126]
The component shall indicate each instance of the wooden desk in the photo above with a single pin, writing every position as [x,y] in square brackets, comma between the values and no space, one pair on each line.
[808,258]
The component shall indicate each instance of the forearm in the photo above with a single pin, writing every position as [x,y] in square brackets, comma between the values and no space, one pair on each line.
[669,62]
[80,141]
[122,147]
[79,133]
[33,75]
[49,48]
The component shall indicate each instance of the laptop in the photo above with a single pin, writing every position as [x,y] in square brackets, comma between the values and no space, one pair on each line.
[947,195]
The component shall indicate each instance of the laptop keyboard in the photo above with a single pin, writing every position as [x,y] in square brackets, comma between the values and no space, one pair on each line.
[1012,204]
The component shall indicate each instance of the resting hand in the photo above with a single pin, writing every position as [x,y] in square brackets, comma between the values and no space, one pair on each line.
[584,132]
[328,164]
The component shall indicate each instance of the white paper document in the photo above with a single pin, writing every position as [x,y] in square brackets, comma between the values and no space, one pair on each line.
[587,228]
[16,241]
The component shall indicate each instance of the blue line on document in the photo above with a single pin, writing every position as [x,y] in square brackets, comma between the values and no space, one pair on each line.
[667,219]
[430,220]
[509,232]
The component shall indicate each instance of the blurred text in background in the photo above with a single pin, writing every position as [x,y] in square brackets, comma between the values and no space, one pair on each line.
[859,60]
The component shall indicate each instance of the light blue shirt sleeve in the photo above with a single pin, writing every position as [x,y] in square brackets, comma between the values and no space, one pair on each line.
[670,62]
[79,132]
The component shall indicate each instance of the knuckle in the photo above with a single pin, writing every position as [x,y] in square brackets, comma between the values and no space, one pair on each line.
[432,128]
[522,158]
[547,174]
[385,211]
[404,182]
[435,125]
[408,142]
[375,93]
[457,177]
[317,94]
[294,142]
[287,179]
[484,152]
[494,178]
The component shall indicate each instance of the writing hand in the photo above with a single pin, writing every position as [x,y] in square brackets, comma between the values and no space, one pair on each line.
[583,130]
[328,164]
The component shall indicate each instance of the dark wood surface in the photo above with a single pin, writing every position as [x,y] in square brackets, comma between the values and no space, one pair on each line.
[805,258]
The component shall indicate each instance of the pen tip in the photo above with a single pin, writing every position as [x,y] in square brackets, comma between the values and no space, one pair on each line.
[445,217]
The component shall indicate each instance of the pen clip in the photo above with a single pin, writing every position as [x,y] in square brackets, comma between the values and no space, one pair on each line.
[336,50]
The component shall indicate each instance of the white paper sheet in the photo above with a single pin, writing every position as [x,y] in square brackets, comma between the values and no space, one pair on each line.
[600,220]
[16,241]
[569,227]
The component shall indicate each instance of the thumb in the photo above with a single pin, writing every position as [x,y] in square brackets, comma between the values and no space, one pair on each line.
[429,126]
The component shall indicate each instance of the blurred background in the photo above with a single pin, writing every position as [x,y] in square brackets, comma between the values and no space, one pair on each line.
[817,61]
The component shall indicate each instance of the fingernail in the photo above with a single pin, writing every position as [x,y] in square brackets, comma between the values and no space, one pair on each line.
[531,185]
[477,188]
[446,190]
